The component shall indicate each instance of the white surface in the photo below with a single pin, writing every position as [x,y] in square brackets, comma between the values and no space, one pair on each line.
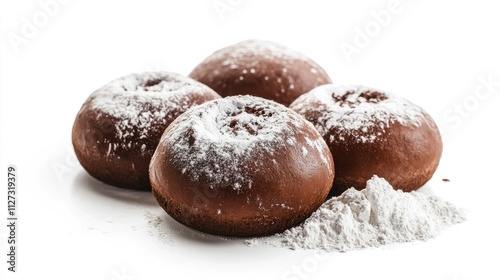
[72,227]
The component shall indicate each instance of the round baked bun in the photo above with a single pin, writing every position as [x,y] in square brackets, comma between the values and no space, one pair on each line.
[371,132]
[119,125]
[261,68]
[241,166]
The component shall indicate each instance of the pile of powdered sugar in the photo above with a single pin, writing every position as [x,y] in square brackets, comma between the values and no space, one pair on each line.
[357,111]
[375,216]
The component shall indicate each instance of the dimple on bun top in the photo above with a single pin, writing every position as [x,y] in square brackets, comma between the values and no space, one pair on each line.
[241,166]
[371,132]
[261,68]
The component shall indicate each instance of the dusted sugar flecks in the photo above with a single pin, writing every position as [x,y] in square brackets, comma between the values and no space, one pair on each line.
[262,68]
[140,101]
[350,111]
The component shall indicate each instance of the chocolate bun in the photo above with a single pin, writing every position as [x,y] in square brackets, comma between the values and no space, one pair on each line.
[260,68]
[118,127]
[241,166]
[370,132]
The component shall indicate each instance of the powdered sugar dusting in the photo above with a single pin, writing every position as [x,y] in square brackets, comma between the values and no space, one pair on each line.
[232,56]
[356,110]
[372,217]
[252,56]
[215,141]
[261,68]
[138,102]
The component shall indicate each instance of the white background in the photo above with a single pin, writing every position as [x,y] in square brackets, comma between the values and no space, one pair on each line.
[71,227]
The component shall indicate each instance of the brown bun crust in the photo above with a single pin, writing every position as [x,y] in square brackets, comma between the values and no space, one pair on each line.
[261,68]
[117,129]
[370,132]
[241,166]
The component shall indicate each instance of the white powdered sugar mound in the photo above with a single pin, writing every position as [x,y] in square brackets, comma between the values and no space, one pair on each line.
[224,140]
[357,111]
[372,217]
[140,100]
